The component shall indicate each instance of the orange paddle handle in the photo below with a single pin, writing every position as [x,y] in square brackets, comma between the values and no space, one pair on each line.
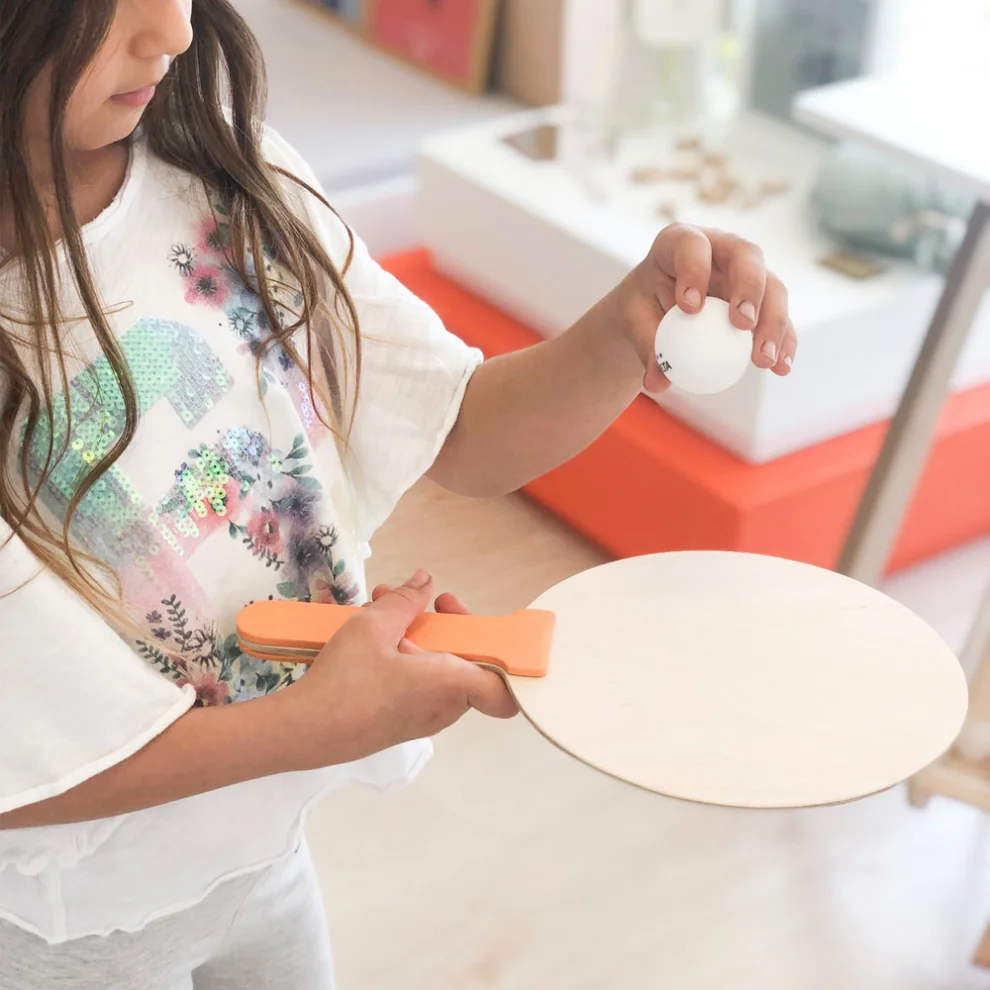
[295,632]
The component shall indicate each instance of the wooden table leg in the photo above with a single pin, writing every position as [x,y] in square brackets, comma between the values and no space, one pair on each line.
[906,447]
[964,772]
[974,740]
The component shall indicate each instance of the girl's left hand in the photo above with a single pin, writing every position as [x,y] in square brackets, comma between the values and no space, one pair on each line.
[685,265]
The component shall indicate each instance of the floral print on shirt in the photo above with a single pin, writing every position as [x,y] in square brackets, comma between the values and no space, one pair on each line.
[266,499]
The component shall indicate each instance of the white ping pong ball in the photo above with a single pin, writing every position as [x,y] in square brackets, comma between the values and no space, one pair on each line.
[702,353]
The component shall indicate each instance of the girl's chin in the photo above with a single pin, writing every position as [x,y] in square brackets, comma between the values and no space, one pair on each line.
[109,133]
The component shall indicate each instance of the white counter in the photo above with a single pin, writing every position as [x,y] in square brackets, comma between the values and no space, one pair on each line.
[526,235]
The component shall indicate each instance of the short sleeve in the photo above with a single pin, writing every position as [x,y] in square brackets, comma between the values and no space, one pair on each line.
[414,372]
[74,698]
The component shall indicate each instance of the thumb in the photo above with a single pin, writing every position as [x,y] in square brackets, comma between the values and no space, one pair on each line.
[396,610]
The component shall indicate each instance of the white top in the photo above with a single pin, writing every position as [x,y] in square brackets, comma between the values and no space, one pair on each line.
[942,129]
[221,499]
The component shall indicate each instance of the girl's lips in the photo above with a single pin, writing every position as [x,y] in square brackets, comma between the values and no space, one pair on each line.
[136,98]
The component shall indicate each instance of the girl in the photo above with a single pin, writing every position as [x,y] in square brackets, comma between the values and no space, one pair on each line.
[211,394]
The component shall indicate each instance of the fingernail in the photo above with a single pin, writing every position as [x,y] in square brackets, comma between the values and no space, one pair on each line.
[747,309]
[419,580]
[789,361]
[769,351]
[693,298]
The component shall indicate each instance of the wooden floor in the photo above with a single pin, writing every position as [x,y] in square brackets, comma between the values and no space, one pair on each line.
[508,866]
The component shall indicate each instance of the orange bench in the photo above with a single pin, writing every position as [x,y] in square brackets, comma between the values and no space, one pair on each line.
[651,484]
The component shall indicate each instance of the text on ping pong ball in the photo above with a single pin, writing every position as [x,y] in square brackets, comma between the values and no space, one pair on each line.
[702,353]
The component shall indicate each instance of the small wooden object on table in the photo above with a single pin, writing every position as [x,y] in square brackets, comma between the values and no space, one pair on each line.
[709,170]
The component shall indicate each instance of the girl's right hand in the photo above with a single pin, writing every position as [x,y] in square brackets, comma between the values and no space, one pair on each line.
[371,689]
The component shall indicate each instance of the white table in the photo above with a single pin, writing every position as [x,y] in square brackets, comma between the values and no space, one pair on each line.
[944,133]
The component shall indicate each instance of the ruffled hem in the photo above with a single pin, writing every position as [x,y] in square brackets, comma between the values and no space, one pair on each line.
[363,775]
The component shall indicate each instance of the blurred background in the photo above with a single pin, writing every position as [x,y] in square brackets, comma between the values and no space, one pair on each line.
[511,160]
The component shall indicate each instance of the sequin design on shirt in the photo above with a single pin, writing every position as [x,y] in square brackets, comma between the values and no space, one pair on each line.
[269,505]
[167,361]
[260,494]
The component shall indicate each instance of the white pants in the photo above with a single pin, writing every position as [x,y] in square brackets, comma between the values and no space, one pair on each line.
[265,931]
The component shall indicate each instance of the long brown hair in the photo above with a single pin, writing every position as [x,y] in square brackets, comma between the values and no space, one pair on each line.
[186,126]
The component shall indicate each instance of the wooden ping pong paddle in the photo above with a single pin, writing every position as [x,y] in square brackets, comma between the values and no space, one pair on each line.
[723,678]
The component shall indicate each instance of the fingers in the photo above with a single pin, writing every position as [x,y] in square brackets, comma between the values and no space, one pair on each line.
[757,301]
[686,255]
[481,689]
[740,277]
[395,609]
[679,274]
[463,683]
[747,285]
[450,605]
[689,263]
[774,340]
[487,692]
[445,603]
[654,380]
[788,351]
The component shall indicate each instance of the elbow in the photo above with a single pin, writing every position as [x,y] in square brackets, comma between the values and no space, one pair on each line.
[473,467]
[474,485]
[470,479]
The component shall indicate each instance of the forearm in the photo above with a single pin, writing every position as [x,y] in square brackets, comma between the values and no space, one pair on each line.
[202,751]
[527,412]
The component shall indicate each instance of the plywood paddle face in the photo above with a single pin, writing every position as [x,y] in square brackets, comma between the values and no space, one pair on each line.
[743,681]
[722,678]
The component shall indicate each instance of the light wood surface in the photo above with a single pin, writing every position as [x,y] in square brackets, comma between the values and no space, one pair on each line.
[954,777]
[508,866]
[670,673]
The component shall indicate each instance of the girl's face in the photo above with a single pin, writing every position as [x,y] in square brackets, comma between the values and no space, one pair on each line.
[120,82]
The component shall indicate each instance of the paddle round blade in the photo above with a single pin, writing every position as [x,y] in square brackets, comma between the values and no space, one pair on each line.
[743,681]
